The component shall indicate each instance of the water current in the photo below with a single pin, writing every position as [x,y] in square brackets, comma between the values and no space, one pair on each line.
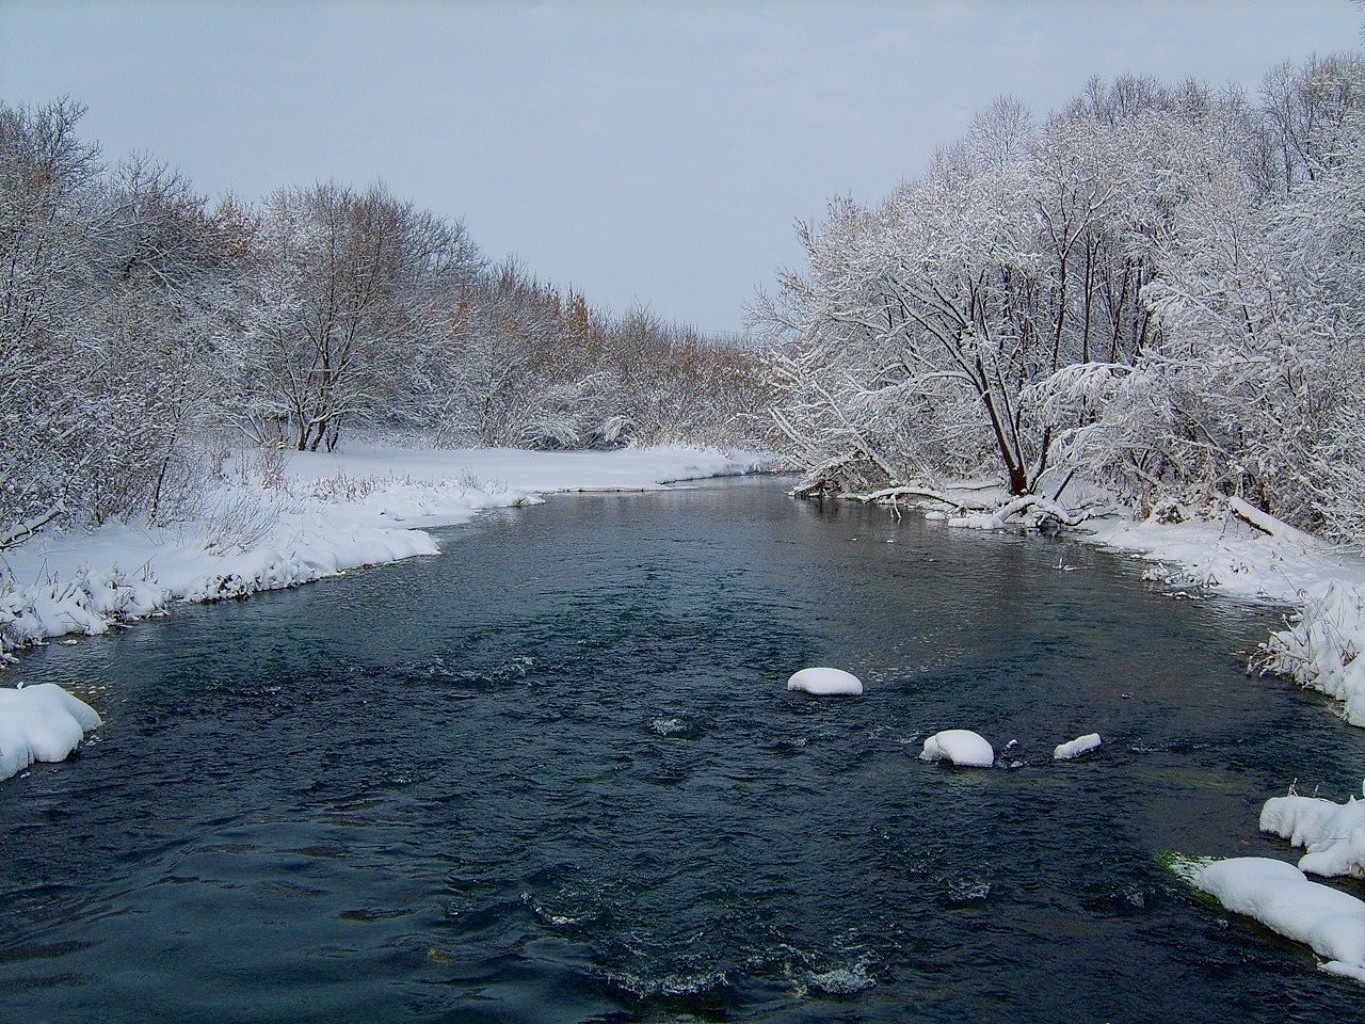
[554,775]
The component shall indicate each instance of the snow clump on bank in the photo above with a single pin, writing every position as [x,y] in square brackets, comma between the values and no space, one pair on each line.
[89,601]
[1321,648]
[1075,748]
[1332,834]
[826,682]
[40,723]
[962,747]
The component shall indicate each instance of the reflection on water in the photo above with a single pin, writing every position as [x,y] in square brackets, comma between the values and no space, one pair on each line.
[554,775]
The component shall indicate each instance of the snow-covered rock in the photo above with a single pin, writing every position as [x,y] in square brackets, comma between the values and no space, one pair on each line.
[1075,748]
[1332,834]
[960,746]
[825,682]
[1282,898]
[40,723]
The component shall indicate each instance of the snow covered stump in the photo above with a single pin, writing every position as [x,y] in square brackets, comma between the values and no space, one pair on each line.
[40,723]
[826,682]
[961,747]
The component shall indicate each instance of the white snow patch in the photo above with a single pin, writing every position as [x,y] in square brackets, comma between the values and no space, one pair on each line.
[960,746]
[976,521]
[1332,834]
[825,682]
[40,723]
[1282,898]
[1075,748]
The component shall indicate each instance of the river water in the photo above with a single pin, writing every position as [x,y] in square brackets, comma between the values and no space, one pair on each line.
[554,775]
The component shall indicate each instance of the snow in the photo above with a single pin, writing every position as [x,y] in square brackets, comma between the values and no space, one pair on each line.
[1321,647]
[1282,898]
[825,682]
[320,515]
[1075,748]
[1332,834]
[40,723]
[962,747]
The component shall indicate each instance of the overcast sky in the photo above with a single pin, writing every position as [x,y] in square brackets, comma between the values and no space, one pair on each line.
[653,153]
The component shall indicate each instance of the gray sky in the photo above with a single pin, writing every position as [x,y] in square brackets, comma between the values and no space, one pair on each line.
[654,153]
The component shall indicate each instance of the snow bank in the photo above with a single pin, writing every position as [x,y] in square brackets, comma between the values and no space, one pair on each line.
[1030,511]
[40,723]
[87,601]
[1075,748]
[319,515]
[1282,898]
[960,746]
[825,682]
[1247,554]
[1225,553]
[1322,646]
[1332,834]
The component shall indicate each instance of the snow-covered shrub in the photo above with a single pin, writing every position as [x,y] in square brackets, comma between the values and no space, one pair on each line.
[1332,834]
[1321,648]
[239,520]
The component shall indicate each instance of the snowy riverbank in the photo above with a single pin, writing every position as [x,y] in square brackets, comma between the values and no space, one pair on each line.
[273,523]
[1272,563]
[1234,550]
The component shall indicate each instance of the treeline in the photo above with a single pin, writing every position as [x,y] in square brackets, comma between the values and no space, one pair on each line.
[139,323]
[1159,287]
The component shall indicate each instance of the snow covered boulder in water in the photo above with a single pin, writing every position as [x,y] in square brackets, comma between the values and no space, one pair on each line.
[1281,898]
[826,682]
[960,746]
[1333,834]
[1075,748]
[40,723]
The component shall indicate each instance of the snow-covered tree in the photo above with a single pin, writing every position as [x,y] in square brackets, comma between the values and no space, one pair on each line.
[344,287]
[1158,287]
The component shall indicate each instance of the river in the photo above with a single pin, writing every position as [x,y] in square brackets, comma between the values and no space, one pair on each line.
[554,775]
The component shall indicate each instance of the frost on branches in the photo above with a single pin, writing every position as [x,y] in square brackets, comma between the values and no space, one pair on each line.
[144,332]
[1156,289]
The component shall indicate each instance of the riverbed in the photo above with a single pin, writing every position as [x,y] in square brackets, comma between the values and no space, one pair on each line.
[553,774]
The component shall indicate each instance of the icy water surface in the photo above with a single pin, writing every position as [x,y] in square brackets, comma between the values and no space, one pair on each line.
[554,775]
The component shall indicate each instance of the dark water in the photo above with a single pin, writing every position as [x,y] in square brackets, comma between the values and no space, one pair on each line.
[554,775]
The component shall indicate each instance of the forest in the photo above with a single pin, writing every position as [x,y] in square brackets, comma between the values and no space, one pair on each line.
[1157,289]
[146,331]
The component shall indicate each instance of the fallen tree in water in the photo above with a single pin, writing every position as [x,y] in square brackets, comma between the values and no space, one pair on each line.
[1031,511]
